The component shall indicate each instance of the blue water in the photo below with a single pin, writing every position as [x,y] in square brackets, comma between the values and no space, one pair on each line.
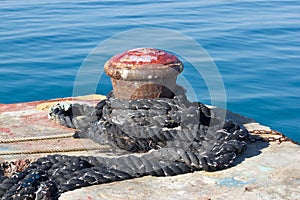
[255,45]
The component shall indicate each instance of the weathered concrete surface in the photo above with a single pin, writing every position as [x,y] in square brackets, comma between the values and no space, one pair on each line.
[30,120]
[273,174]
[264,171]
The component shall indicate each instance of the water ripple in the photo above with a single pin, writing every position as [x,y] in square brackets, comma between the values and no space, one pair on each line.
[255,45]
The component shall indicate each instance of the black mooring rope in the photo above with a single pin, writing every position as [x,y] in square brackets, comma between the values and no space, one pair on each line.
[182,136]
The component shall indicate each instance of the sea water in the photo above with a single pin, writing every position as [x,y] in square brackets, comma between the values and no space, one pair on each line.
[255,45]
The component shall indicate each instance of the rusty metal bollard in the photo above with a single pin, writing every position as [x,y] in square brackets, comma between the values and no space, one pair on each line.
[143,73]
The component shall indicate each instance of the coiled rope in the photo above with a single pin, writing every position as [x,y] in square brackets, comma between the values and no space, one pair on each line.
[174,135]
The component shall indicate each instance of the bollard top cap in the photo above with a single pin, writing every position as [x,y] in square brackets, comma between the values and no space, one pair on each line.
[143,63]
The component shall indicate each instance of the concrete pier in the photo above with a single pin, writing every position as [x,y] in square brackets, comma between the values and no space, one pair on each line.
[265,171]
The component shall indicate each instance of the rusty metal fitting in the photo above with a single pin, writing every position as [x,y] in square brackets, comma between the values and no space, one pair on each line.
[143,73]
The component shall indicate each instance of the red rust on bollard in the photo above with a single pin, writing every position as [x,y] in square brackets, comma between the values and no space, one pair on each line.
[143,73]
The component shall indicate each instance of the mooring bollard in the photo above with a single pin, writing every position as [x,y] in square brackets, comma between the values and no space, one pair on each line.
[143,73]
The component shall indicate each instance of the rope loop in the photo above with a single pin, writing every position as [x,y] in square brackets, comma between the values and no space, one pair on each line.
[174,136]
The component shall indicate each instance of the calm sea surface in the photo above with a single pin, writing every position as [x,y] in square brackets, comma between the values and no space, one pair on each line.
[255,45]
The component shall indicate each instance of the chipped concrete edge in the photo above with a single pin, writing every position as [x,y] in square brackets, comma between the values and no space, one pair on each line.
[45,106]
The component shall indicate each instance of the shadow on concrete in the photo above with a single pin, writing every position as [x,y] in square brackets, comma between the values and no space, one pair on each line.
[253,149]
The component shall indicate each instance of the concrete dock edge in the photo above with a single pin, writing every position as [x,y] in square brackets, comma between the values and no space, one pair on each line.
[266,170]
